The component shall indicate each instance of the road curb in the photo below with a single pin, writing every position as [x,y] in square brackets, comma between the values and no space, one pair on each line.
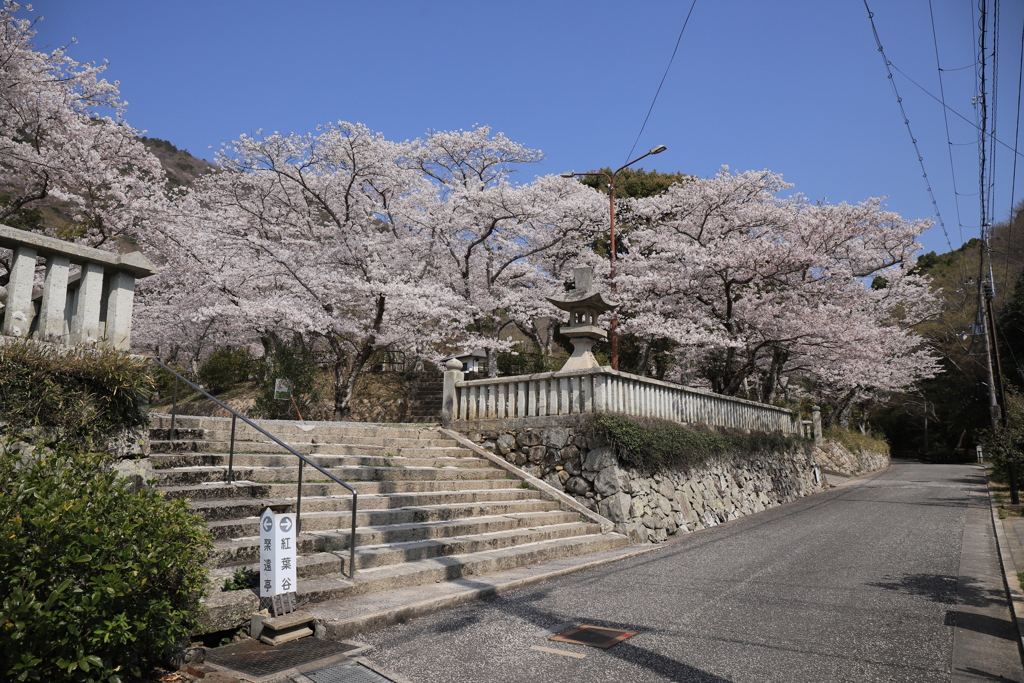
[1009,568]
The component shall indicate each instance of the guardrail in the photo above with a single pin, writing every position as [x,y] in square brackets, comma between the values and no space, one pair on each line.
[603,390]
[93,305]
[303,460]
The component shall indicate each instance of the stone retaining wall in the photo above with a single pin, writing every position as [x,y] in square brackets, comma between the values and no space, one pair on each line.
[647,507]
[832,456]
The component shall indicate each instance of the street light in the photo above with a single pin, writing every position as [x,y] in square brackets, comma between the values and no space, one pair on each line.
[657,149]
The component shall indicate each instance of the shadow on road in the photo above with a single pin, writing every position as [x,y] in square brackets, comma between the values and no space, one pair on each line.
[943,588]
[981,623]
[935,587]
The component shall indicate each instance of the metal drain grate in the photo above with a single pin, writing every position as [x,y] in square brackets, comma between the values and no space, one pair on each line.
[346,673]
[254,658]
[594,636]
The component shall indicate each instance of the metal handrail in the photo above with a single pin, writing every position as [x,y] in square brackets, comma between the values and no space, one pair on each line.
[302,459]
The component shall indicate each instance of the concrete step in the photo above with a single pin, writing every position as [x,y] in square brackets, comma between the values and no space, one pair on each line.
[293,438]
[197,475]
[232,607]
[270,448]
[219,490]
[275,427]
[236,509]
[378,546]
[168,461]
[329,520]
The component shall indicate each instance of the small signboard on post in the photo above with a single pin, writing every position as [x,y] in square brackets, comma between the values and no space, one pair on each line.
[277,553]
[282,389]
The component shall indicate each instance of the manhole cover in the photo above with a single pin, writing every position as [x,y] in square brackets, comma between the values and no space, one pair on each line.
[350,672]
[594,636]
[259,659]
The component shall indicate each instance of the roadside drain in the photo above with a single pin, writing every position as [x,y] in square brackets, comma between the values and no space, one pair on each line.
[254,658]
[350,672]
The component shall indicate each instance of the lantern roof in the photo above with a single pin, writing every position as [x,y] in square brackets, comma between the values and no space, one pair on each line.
[583,294]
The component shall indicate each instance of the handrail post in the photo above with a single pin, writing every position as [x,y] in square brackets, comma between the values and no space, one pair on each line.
[298,502]
[231,450]
[352,541]
[174,410]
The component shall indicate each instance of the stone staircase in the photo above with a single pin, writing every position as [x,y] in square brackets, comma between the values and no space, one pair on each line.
[428,509]
[426,397]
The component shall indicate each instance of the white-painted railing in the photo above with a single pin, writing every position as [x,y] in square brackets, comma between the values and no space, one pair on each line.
[603,390]
[91,306]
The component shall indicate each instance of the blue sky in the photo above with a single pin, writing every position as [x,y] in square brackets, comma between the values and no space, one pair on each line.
[796,86]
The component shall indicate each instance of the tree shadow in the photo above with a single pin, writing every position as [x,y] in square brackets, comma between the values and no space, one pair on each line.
[945,588]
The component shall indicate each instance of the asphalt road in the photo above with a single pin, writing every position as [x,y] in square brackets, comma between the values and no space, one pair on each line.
[856,584]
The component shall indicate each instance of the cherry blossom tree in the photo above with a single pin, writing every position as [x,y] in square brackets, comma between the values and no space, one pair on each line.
[759,290]
[503,247]
[63,140]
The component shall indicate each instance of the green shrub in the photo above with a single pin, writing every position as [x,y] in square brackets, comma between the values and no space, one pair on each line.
[225,368]
[243,578]
[292,361]
[83,396]
[855,441]
[98,581]
[654,445]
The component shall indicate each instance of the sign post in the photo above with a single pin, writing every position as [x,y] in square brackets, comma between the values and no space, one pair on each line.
[277,553]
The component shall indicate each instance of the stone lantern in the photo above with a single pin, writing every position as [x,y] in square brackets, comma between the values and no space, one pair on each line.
[584,306]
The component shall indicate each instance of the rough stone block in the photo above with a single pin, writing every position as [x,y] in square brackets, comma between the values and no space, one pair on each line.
[537,453]
[505,443]
[555,437]
[577,485]
[530,437]
[599,458]
[615,508]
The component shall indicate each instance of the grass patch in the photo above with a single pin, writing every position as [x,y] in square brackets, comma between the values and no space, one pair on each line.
[1001,496]
[854,441]
[653,445]
[81,397]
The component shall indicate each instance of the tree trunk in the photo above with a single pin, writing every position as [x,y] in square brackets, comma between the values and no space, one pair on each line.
[347,374]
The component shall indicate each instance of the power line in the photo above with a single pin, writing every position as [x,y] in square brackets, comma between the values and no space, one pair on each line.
[958,114]
[1016,142]
[663,76]
[906,121]
[945,118]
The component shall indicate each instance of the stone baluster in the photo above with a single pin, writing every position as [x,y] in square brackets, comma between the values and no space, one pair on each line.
[85,328]
[450,408]
[54,299]
[19,310]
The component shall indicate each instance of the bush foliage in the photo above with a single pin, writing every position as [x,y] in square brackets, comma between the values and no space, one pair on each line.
[855,441]
[227,367]
[653,445]
[98,580]
[82,396]
[295,362]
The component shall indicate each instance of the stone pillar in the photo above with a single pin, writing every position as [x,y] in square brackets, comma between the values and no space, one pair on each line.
[452,374]
[54,300]
[86,329]
[19,311]
[119,310]
[816,424]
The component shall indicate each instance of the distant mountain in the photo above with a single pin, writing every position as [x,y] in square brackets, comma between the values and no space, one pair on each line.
[181,167]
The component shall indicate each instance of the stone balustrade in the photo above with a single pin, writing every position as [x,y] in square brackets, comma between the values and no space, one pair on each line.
[91,306]
[603,390]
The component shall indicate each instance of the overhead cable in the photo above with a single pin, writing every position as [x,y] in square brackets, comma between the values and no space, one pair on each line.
[906,122]
[663,76]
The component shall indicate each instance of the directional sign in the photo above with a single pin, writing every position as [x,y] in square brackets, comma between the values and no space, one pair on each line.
[277,553]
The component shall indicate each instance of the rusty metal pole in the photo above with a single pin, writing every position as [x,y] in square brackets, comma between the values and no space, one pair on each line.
[614,333]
